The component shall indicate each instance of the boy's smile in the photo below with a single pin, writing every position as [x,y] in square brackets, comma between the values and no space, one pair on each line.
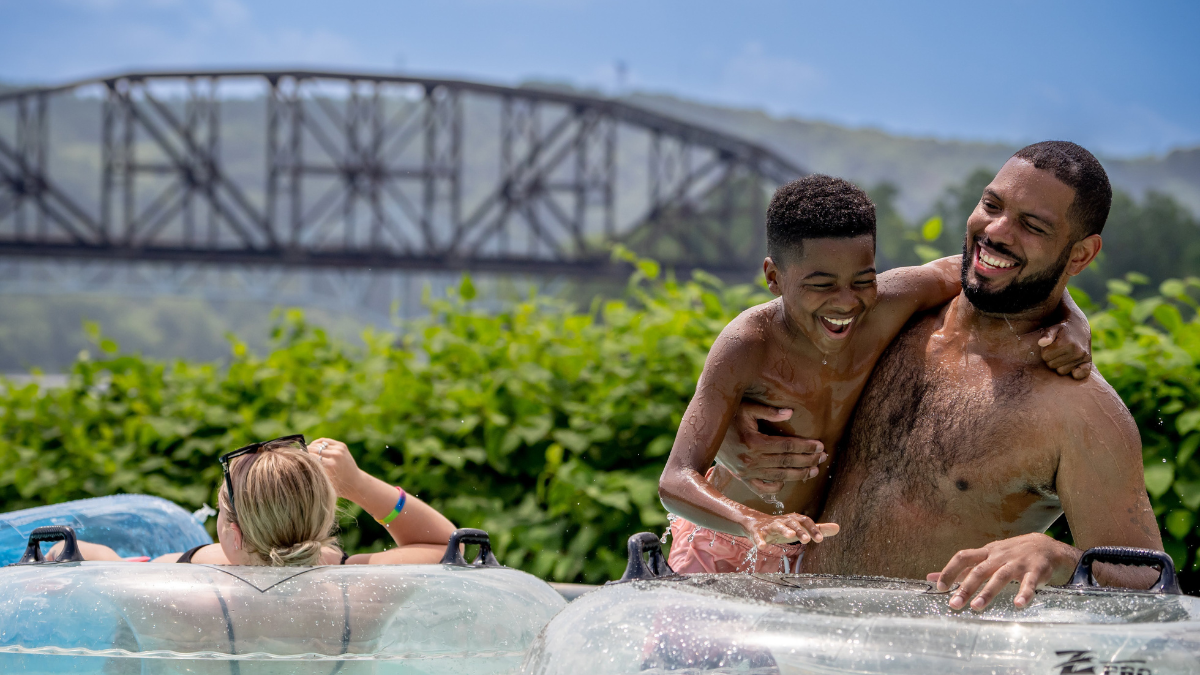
[826,288]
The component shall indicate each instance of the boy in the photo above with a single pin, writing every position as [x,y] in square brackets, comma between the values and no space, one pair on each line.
[810,350]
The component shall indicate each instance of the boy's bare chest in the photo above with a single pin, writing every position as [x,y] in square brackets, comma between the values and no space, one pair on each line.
[821,394]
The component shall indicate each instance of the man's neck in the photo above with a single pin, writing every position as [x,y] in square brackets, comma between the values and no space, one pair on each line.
[998,329]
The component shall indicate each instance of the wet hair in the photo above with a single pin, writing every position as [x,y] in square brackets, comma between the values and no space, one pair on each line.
[286,506]
[815,207]
[1080,170]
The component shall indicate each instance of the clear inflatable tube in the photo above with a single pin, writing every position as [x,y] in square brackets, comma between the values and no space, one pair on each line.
[97,617]
[132,525]
[792,624]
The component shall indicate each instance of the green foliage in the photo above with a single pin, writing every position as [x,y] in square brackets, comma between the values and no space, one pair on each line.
[1157,236]
[546,425]
[1149,351]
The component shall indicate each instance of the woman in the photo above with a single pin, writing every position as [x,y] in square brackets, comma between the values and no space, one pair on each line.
[278,506]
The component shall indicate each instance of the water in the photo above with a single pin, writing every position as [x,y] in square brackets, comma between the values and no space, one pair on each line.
[772,498]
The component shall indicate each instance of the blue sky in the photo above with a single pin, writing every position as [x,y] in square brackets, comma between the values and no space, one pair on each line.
[1120,78]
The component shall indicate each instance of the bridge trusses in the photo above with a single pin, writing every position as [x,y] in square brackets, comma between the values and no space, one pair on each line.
[345,170]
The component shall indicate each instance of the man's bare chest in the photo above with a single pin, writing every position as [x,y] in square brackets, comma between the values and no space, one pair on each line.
[944,426]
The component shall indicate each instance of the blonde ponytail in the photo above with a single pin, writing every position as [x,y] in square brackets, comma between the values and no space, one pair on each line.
[286,507]
[304,553]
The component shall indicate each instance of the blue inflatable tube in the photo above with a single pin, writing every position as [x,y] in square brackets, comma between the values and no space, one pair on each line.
[132,525]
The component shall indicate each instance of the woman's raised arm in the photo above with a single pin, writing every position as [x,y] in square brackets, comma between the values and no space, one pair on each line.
[419,530]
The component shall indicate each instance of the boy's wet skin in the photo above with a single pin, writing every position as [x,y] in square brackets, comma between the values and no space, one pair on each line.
[810,351]
[964,448]
[797,352]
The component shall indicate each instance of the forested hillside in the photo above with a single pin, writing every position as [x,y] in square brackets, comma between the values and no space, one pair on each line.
[921,168]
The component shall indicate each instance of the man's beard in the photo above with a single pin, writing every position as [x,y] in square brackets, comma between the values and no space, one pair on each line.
[1020,294]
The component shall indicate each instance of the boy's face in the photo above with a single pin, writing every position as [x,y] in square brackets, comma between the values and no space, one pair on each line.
[827,288]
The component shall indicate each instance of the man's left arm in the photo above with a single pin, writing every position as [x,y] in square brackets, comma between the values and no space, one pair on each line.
[1103,492]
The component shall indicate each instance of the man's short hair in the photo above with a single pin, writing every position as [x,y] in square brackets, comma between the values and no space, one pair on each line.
[1079,169]
[815,207]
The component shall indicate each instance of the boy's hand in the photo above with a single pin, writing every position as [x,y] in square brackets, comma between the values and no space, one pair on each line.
[1067,348]
[763,529]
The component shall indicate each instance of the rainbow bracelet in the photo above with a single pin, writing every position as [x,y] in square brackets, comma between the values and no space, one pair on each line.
[395,511]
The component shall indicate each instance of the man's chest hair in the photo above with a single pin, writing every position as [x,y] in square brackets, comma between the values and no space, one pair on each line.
[928,421]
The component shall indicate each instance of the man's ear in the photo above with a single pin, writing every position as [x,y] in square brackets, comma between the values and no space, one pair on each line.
[1083,252]
[771,272]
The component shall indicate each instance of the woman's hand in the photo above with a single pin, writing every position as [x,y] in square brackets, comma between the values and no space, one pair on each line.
[339,465]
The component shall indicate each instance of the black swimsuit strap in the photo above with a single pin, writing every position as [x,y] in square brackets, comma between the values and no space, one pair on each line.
[186,557]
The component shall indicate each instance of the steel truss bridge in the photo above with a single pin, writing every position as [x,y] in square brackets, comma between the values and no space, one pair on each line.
[349,172]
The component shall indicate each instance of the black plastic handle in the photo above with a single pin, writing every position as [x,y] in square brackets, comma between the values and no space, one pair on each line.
[637,568]
[1123,555]
[469,535]
[33,551]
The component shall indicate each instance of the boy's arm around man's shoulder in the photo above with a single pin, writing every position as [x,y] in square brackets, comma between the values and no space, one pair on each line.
[923,287]
[1066,346]
[906,291]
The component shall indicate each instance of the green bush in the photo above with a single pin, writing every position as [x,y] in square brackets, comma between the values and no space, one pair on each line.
[545,425]
[542,423]
[1149,351]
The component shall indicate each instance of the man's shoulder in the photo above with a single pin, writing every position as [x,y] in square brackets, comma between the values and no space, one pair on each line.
[1087,407]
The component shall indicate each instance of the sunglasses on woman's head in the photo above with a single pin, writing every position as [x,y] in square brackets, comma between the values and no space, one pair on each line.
[293,441]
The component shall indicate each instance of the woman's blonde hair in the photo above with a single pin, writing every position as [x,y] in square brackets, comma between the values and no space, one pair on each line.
[286,506]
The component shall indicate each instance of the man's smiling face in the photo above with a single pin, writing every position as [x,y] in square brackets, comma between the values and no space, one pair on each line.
[1019,241]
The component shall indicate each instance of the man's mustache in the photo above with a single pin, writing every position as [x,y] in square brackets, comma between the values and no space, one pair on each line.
[999,248]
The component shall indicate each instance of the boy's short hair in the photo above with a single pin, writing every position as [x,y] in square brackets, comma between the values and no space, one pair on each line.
[1078,169]
[815,207]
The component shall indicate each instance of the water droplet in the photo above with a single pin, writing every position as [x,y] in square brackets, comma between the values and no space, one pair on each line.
[773,499]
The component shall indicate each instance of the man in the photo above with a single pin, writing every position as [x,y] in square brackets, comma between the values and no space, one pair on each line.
[964,447]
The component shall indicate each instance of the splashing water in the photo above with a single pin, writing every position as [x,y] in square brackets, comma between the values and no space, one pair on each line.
[773,499]
[671,518]
[750,560]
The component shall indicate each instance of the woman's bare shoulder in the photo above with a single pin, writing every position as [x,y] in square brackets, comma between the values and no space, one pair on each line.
[212,554]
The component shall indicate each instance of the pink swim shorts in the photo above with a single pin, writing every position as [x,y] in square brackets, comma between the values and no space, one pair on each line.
[696,550]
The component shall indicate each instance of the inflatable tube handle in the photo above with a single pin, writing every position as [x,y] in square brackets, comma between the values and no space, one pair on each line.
[33,551]
[1124,555]
[637,568]
[468,535]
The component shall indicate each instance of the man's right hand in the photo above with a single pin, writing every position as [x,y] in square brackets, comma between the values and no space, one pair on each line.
[765,462]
